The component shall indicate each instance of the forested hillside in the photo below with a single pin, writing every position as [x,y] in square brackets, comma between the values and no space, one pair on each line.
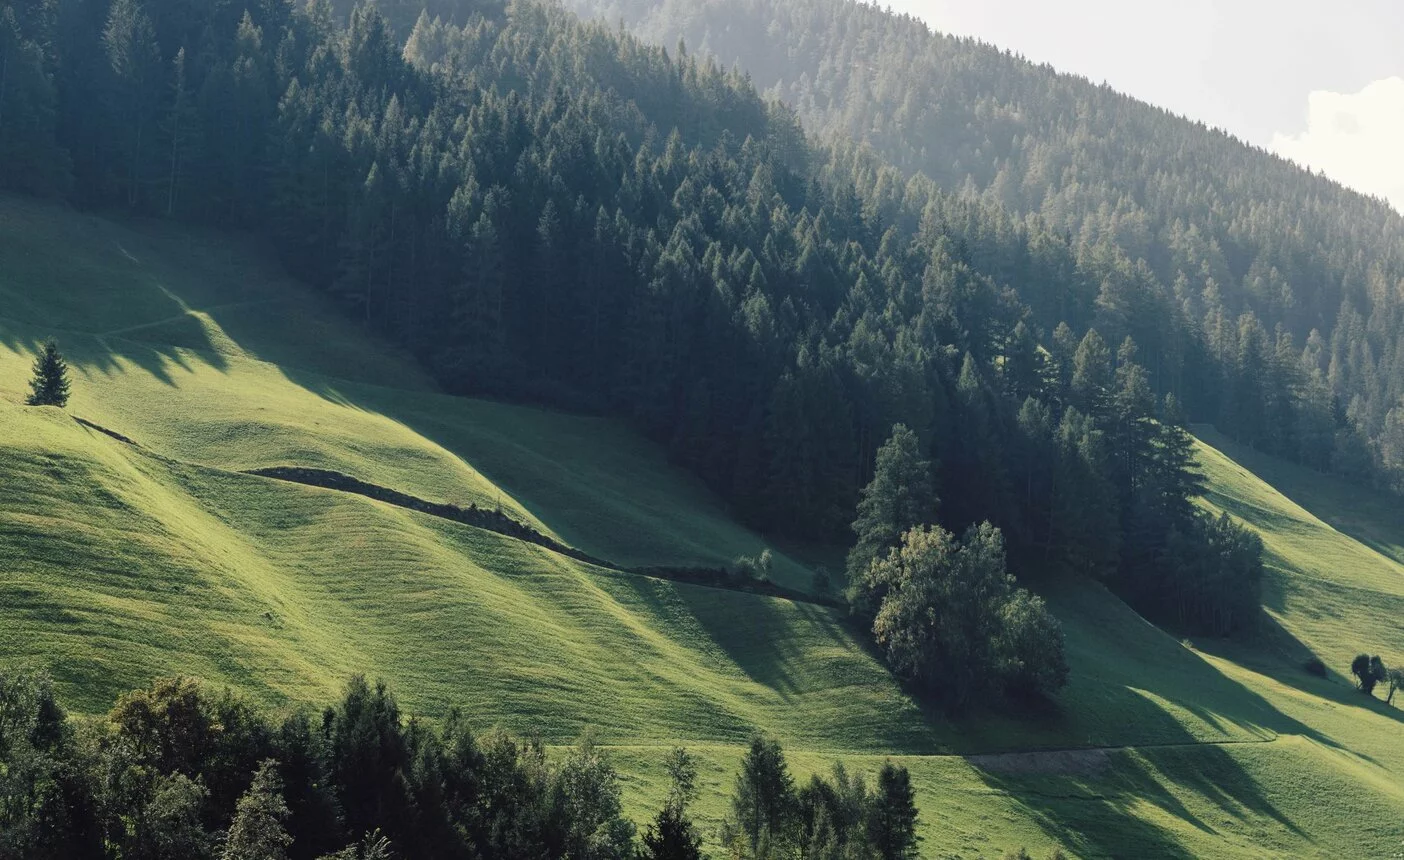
[1267,297]
[547,210]
[534,368]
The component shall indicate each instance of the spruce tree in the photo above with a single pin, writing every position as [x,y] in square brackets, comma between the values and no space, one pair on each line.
[899,498]
[892,818]
[49,387]
[762,820]
[257,832]
[673,836]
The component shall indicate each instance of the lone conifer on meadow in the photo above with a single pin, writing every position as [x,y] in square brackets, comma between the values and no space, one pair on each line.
[49,387]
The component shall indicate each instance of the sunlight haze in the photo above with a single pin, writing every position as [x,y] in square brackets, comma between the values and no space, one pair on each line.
[1323,90]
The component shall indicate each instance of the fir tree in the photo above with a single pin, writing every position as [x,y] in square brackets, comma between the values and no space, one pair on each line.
[892,817]
[49,387]
[899,497]
[762,820]
[257,832]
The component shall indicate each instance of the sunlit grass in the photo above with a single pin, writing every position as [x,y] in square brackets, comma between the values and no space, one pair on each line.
[120,563]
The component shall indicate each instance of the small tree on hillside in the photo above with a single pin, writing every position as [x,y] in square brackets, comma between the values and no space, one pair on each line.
[892,817]
[49,387]
[900,497]
[1395,677]
[762,821]
[672,836]
[1368,672]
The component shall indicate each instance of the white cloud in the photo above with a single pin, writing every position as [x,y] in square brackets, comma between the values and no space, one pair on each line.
[1356,139]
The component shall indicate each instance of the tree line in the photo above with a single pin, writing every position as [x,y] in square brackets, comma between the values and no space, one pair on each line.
[176,771]
[548,210]
[1265,296]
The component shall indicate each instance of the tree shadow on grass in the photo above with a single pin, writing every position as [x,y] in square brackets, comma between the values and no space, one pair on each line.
[1104,813]
[1101,811]
[1365,514]
[91,355]
[1144,720]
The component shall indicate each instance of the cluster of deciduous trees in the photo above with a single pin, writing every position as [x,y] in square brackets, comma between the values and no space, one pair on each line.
[1371,671]
[550,210]
[175,772]
[1266,296]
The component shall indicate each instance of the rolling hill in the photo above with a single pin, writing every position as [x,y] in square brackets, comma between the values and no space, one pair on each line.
[157,552]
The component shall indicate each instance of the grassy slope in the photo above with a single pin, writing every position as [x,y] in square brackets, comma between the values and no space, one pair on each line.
[197,347]
[118,563]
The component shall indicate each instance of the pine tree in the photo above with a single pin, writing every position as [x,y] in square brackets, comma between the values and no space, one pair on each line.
[135,60]
[49,387]
[257,832]
[762,820]
[899,498]
[892,817]
[671,837]
[177,125]
[1092,375]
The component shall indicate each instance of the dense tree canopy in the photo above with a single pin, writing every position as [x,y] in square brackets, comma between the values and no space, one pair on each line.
[548,210]
[175,772]
[1265,296]
[951,618]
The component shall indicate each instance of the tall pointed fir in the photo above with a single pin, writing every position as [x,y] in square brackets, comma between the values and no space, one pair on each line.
[899,498]
[49,387]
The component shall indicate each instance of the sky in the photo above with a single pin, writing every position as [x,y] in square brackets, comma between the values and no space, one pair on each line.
[1320,83]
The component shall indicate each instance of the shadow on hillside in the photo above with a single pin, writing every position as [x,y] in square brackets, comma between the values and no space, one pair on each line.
[1104,814]
[1367,515]
[1099,810]
[1126,677]
[757,635]
[90,354]
[1284,664]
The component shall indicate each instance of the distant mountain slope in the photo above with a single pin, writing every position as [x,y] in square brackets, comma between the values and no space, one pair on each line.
[1225,228]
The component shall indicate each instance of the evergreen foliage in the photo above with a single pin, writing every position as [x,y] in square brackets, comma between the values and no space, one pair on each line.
[49,385]
[899,497]
[543,209]
[672,836]
[257,830]
[1221,260]
[123,789]
[892,817]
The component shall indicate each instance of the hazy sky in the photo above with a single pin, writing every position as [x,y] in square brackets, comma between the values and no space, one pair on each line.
[1321,83]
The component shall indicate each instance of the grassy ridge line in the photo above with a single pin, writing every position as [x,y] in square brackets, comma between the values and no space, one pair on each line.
[493,521]
[119,566]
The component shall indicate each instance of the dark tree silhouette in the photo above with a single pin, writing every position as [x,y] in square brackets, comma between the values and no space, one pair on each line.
[49,387]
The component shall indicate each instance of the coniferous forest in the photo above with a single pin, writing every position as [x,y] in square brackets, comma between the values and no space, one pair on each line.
[880,290]
[176,771]
[547,210]
[1265,296]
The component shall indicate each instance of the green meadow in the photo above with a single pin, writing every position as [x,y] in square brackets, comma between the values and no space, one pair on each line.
[120,562]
